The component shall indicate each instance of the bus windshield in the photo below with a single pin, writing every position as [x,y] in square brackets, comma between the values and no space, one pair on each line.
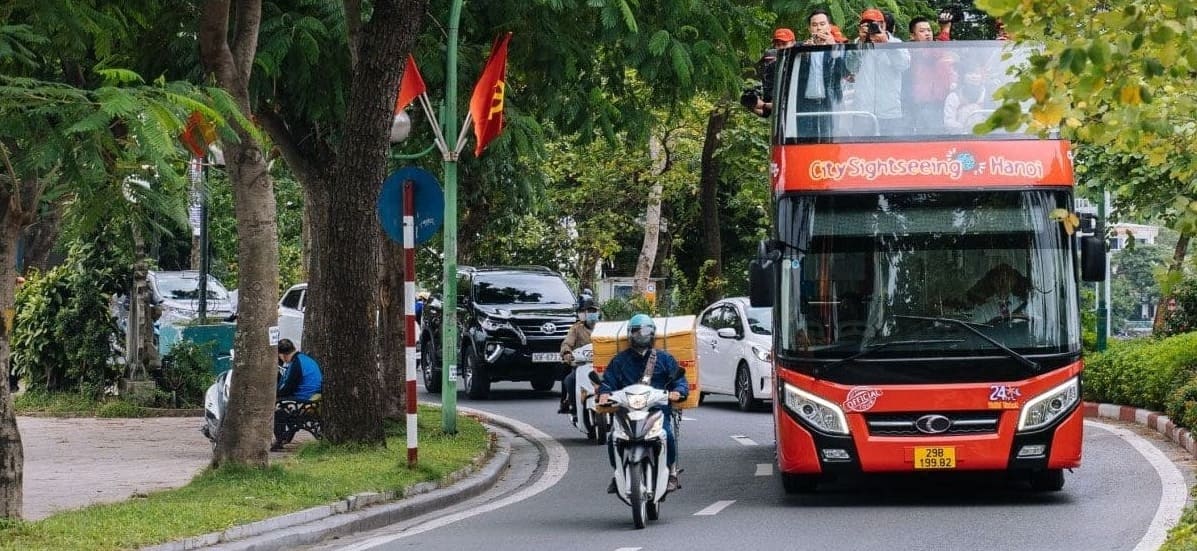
[890,92]
[910,275]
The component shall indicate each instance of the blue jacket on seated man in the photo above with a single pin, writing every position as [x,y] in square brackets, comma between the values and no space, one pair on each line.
[301,379]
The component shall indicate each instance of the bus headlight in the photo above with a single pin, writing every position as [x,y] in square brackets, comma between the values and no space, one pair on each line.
[824,415]
[1049,406]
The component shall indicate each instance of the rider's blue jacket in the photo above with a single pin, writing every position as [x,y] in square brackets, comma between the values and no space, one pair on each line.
[627,367]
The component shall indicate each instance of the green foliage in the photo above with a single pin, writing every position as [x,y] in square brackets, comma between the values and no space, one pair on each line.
[63,330]
[120,409]
[1181,406]
[1141,372]
[222,227]
[1184,318]
[620,309]
[185,374]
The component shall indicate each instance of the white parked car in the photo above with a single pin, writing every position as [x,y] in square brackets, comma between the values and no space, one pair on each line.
[735,351]
[290,314]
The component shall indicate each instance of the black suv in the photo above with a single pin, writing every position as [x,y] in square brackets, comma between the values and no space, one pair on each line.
[511,321]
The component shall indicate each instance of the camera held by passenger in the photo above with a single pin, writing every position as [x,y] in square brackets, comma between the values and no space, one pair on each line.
[874,28]
[751,97]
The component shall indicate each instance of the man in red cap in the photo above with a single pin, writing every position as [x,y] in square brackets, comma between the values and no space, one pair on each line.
[783,38]
[878,76]
[763,104]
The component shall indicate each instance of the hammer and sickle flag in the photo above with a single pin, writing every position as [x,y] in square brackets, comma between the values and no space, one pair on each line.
[486,104]
[198,134]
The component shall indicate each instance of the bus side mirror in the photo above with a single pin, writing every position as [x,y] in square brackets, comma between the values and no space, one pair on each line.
[760,277]
[1093,258]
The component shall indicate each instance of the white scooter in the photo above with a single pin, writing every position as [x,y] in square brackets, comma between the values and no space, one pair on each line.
[216,402]
[638,434]
[593,424]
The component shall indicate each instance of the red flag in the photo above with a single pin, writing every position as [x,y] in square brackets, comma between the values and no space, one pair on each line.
[486,105]
[197,134]
[412,85]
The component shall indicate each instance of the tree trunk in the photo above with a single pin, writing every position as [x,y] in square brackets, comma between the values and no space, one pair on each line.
[12,458]
[652,219]
[342,313]
[19,200]
[246,433]
[1178,262]
[392,368]
[709,200]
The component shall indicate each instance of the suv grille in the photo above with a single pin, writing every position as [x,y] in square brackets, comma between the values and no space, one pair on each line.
[536,328]
[906,423]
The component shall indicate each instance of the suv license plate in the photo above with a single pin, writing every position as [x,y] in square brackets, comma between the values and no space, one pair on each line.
[540,357]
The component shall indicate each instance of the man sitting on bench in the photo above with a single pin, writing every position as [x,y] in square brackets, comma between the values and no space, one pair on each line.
[298,386]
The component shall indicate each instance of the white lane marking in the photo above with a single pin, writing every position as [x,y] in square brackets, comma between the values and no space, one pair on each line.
[1173,494]
[743,439]
[684,418]
[629,549]
[714,508]
[764,469]
[557,466]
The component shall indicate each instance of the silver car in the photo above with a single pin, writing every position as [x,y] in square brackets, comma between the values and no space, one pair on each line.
[177,294]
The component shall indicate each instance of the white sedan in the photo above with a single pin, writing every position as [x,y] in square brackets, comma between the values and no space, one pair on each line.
[735,351]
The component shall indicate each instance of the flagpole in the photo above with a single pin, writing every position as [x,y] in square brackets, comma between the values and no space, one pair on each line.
[449,323]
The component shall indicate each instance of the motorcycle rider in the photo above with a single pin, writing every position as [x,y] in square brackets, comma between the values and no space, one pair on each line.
[630,367]
[578,336]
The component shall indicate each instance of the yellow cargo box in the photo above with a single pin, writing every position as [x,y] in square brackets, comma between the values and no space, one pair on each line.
[675,335]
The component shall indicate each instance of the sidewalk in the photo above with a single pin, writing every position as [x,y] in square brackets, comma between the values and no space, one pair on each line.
[75,462]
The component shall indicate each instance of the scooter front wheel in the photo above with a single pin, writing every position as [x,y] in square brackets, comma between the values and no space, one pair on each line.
[639,507]
[602,426]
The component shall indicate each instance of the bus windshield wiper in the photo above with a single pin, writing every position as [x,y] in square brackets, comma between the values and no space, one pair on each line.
[871,349]
[1025,361]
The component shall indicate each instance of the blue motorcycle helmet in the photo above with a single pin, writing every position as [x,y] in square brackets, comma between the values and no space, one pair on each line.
[641,331]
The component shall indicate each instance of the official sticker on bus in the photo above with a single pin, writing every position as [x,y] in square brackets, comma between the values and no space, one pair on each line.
[861,398]
[1004,396]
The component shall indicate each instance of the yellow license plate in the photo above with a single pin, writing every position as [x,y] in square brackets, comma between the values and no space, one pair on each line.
[934,458]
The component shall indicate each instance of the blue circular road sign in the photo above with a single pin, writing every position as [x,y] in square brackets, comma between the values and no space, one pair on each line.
[429,204]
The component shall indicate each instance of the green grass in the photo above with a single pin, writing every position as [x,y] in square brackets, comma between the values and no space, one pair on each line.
[75,404]
[317,474]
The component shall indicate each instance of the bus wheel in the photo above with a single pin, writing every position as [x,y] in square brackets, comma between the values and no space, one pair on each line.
[1050,480]
[799,483]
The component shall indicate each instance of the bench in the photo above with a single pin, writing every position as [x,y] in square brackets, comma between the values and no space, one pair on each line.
[292,416]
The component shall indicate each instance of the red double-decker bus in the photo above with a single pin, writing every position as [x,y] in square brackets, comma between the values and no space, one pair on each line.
[924,279]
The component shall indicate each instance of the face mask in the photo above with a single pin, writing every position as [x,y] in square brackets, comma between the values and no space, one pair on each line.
[591,317]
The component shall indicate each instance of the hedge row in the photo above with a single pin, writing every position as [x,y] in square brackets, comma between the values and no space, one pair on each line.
[1153,374]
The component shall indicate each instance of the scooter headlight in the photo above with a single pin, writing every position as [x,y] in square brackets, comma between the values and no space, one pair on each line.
[1049,406]
[637,401]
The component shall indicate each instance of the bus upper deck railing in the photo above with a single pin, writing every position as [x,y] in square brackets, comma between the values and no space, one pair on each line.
[912,91]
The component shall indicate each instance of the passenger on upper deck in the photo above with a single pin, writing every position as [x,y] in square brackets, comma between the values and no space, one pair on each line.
[877,101]
[931,77]
[762,104]
[820,78]
[966,106]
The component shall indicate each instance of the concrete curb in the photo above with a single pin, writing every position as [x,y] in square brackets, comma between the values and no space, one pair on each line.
[1153,420]
[362,512]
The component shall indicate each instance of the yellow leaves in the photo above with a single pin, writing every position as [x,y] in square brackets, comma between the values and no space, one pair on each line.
[1129,94]
[1069,219]
[1039,89]
[1048,114]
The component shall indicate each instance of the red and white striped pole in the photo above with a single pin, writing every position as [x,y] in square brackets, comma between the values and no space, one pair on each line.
[409,299]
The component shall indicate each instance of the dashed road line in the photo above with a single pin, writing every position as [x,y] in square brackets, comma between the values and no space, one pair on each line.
[629,549]
[714,508]
[743,439]
[764,469]
[684,418]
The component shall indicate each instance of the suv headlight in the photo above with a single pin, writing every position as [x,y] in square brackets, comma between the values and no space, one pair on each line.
[491,324]
[824,415]
[1049,406]
[761,353]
